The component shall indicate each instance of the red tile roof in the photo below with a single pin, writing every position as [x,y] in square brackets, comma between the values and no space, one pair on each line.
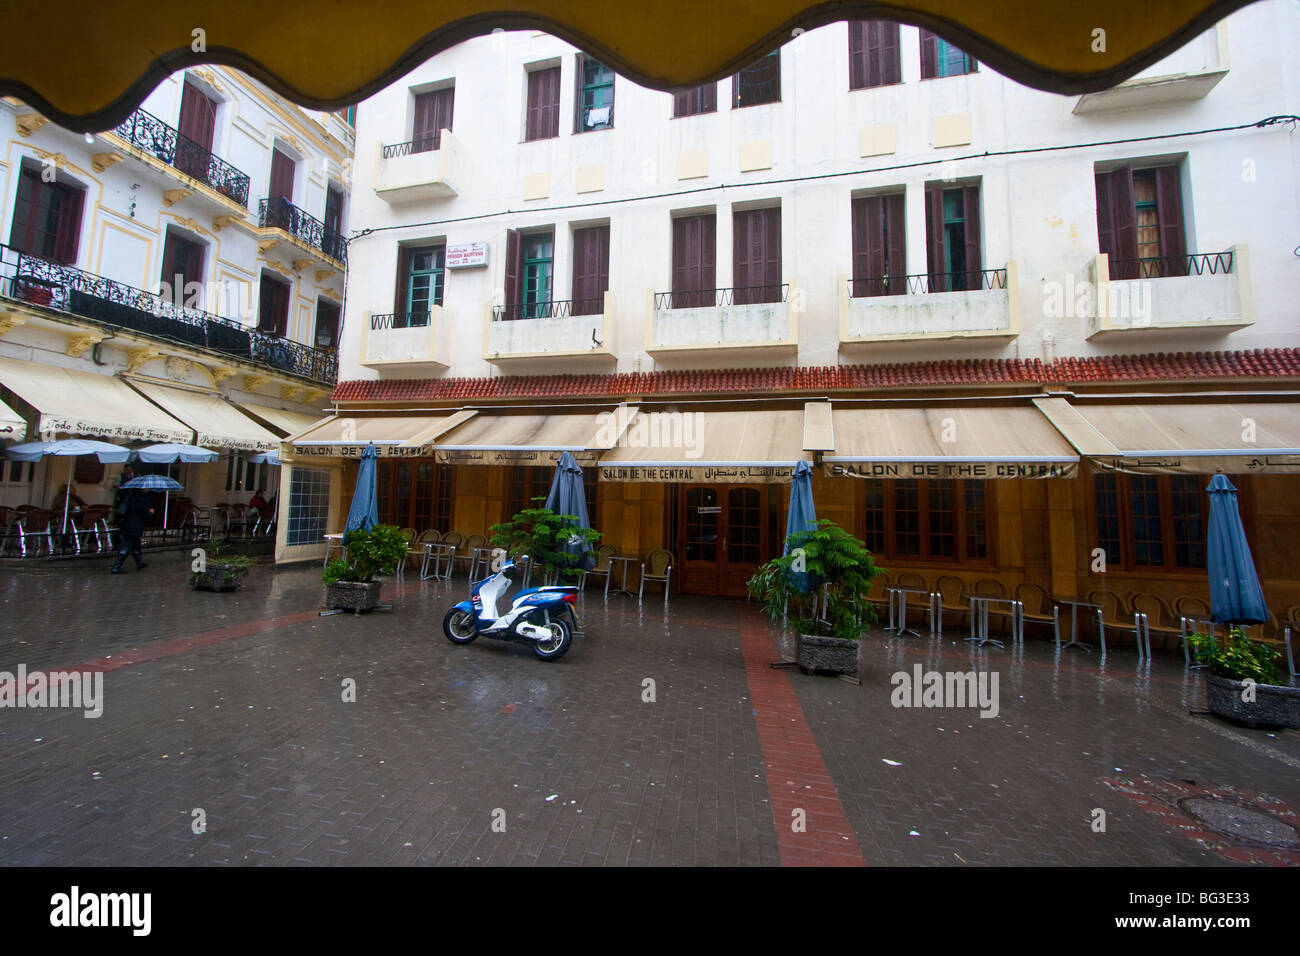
[1115,369]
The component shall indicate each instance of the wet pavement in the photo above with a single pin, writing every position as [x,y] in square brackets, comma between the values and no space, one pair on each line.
[226,738]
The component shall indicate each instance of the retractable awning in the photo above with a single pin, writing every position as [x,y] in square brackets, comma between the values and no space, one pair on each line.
[698,444]
[12,425]
[1182,438]
[987,441]
[83,403]
[394,436]
[216,423]
[505,437]
[291,423]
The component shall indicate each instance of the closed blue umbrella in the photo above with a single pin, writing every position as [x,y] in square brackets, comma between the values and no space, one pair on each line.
[569,497]
[802,516]
[1235,594]
[364,513]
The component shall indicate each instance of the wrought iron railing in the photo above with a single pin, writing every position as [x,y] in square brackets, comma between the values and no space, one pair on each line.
[399,320]
[68,289]
[554,309]
[1163,267]
[717,298]
[150,134]
[279,213]
[424,144]
[984,280]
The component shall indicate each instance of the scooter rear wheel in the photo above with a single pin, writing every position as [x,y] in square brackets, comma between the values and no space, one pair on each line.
[554,647]
[459,627]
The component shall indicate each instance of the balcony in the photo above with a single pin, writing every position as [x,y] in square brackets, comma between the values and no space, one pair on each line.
[87,296]
[155,138]
[757,322]
[1189,73]
[914,308]
[420,170]
[407,343]
[279,213]
[1207,292]
[581,331]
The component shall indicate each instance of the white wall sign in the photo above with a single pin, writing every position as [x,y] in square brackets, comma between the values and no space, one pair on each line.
[467,255]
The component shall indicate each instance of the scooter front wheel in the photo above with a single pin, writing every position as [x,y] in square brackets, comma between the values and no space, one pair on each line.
[554,647]
[459,627]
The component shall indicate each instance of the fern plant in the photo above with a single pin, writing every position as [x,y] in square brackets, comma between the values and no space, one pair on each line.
[542,535]
[1237,658]
[376,551]
[826,566]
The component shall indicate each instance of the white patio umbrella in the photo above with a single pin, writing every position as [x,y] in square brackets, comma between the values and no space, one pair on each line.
[69,448]
[266,457]
[168,452]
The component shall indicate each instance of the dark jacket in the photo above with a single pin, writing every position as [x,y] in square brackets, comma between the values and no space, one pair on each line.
[133,511]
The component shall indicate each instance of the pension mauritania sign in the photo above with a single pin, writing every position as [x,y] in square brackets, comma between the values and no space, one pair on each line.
[467,255]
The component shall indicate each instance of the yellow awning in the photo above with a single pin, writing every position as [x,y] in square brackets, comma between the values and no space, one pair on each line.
[12,426]
[291,423]
[329,55]
[216,423]
[699,444]
[1185,438]
[505,437]
[83,403]
[984,441]
[394,436]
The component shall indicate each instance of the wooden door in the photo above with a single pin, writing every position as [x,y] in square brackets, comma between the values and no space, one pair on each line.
[723,537]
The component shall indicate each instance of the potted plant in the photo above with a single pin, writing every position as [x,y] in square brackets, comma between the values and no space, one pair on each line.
[218,569]
[822,585]
[1239,683]
[350,583]
[542,535]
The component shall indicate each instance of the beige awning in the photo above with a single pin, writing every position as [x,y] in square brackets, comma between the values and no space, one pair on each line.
[216,423]
[759,445]
[83,403]
[12,425]
[506,437]
[291,423]
[1184,438]
[394,436]
[986,441]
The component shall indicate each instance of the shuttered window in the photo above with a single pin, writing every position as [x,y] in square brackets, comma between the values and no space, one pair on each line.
[953,256]
[758,83]
[197,126]
[47,218]
[594,99]
[182,264]
[879,248]
[543,119]
[941,58]
[757,256]
[1140,222]
[432,115]
[273,306]
[694,261]
[873,54]
[590,270]
[282,175]
[701,99]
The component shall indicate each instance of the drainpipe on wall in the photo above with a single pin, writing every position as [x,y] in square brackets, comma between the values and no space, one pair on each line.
[1049,348]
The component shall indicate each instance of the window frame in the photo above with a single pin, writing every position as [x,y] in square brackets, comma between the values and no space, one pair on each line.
[763,62]
[65,240]
[696,101]
[940,46]
[538,305]
[1127,562]
[583,87]
[537,113]
[860,60]
[281,327]
[961,523]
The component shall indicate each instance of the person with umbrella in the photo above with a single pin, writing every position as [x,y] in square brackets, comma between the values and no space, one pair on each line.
[133,511]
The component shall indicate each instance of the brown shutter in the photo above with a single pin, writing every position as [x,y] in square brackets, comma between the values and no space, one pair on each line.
[896,248]
[681,272]
[1123,207]
[198,116]
[742,256]
[934,249]
[282,309]
[400,304]
[543,121]
[772,255]
[757,253]
[282,168]
[874,63]
[706,257]
[1105,215]
[1169,214]
[433,114]
[69,235]
[971,212]
[694,261]
[929,55]
[590,269]
[890,67]
[858,54]
[513,272]
[551,105]
[577,93]
[333,211]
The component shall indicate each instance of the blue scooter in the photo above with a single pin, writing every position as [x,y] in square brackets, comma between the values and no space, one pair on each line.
[542,615]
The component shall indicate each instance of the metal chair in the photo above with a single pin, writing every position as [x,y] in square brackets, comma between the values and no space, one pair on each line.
[658,566]
[603,565]
[410,535]
[94,523]
[36,522]
[468,552]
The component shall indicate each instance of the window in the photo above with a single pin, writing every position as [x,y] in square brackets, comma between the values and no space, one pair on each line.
[273,306]
[327,324]
[595,95]
[527,483]
[694,261]
[927,519]
[1151,521]
[283,168]
[757,255]
[415,494]
[333,211]
[47,218]
[701,99]
[197,124]
[543,117]
[420,275]
[243,475]
[529,275]
[432,115]
[758,83]
[182,264]
[590,270]
[953,238]
[1140,222]
[941,58]
[879,250]
[348,115]
[873,54]
[309,505]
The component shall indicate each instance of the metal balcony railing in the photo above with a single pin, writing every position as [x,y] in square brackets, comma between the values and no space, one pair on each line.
[399,320]
[424,144]
[32,279]
[150,134]
[717,298]
[553,309]
[983,280]
[279,213]
[1163,267]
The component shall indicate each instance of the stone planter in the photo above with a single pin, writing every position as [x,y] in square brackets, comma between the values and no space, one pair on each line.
[827,655]
[1274,705]
[218,577]
[352,596]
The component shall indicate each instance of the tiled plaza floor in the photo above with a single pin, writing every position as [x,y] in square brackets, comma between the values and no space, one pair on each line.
[232,705]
